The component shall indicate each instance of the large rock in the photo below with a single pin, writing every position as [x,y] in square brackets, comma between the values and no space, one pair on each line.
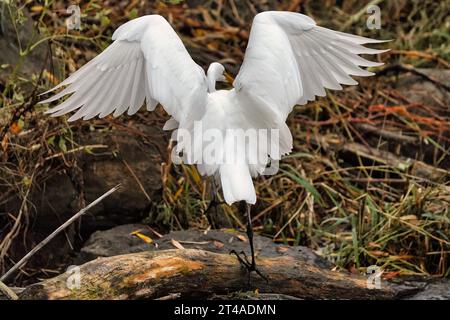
[113,242]
[127,159]
[131,159]
[119,240]
[438,289]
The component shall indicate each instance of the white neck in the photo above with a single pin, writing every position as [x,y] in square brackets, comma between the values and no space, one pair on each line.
[214,74]
[211,83]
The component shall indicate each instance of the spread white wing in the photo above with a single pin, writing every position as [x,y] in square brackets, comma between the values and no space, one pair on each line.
[290,60]
[147,61]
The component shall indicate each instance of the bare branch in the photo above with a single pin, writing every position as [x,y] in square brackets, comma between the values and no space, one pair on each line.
[56,232]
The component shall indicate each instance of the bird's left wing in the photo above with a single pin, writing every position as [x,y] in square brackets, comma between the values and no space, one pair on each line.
[146,61]
[290,60]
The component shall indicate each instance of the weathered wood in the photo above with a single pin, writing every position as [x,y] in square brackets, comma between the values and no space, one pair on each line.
[415,167]
[193,273]
[8,292]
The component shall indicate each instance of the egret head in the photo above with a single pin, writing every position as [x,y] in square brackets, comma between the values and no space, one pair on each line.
[216,72]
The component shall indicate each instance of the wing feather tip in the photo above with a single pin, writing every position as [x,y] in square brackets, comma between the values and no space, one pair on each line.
[48,100]
[50,111]
[73,118]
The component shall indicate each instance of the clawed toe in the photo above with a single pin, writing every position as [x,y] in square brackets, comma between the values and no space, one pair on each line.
[249,266]
[243,261]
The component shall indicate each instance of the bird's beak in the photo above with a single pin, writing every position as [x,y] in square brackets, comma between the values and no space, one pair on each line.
[228,78]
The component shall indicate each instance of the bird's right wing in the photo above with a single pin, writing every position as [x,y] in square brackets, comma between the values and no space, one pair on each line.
[290,60]
[146,61]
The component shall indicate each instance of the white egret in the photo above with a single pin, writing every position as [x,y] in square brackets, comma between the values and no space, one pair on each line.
[289,61]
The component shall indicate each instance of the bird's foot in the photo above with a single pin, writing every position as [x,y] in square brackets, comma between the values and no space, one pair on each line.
[250,266]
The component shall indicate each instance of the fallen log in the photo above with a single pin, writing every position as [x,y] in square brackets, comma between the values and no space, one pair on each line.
[413,167]
[193,273]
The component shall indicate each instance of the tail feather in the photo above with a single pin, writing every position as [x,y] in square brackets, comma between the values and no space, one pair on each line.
[237,183]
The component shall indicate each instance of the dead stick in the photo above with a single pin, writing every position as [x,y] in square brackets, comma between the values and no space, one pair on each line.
[8,292]
[56,232]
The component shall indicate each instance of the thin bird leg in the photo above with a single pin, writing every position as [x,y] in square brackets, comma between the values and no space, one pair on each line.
[250,266]
[250,236]
[252,248]
[213,203]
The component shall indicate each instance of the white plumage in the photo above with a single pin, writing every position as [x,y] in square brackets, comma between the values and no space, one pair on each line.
[289,60]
